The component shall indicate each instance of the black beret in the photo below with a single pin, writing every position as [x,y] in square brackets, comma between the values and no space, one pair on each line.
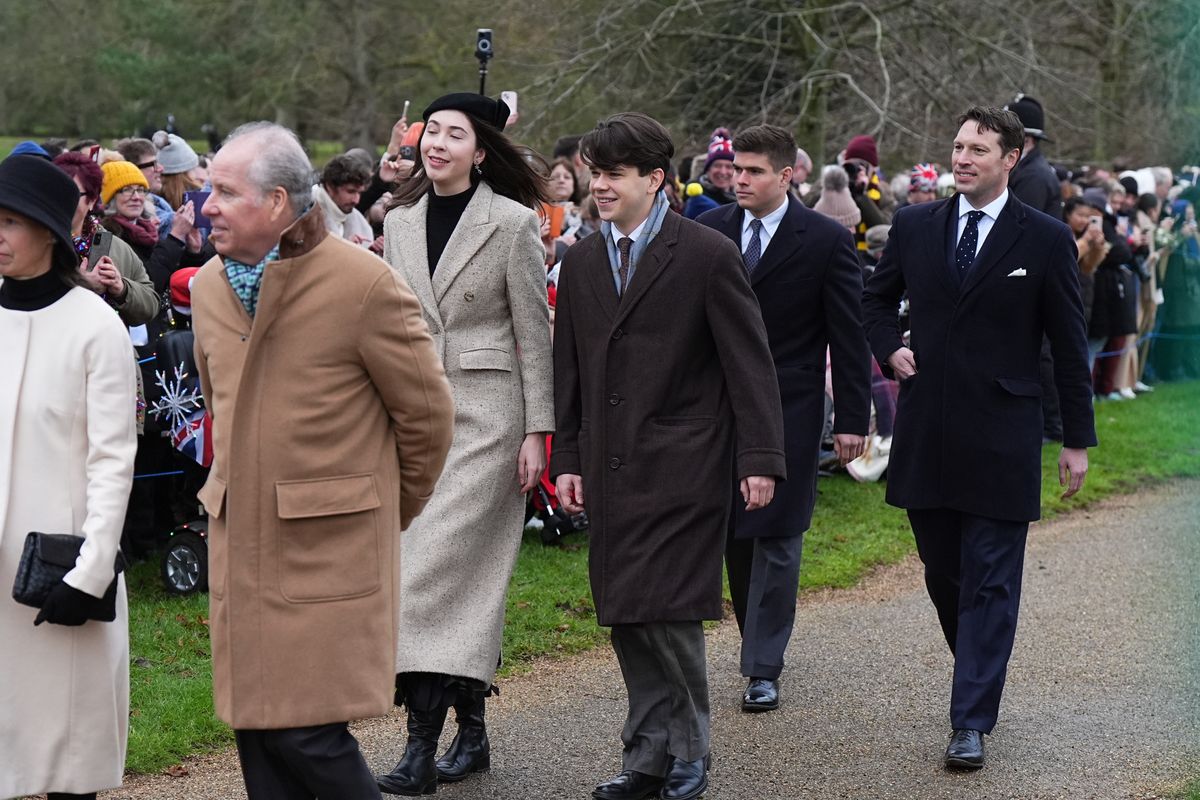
[484,109]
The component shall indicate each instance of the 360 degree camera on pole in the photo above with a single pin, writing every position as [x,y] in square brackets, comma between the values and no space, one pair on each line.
[483,52]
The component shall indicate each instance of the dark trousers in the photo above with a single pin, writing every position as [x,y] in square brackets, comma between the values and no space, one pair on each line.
[320,761]
[973,573]
[665,674]
[764,574]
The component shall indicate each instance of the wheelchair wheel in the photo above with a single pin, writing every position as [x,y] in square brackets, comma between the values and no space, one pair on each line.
[185,564]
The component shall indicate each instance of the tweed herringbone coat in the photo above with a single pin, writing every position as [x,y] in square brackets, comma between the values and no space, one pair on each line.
[486,308]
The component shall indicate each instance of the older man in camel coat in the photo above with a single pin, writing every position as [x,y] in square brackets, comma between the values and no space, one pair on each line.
[331,421]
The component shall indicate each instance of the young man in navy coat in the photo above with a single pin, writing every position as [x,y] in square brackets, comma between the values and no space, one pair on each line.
[805,272]
[986,276]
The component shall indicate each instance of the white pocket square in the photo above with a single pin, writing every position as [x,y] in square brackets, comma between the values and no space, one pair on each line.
[1019,272]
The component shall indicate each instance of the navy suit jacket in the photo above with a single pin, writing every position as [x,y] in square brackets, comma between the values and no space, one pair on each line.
[809,287]
[969,424]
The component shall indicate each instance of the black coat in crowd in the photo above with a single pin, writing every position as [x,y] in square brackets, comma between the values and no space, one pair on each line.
[809,286]
[1035,184]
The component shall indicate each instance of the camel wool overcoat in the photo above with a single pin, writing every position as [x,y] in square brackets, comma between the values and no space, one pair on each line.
[331,421]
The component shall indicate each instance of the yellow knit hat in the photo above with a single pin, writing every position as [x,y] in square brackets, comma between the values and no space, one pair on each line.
[118,175]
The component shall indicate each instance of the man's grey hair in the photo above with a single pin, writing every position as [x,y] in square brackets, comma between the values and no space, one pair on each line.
[1163,176]
[281,162]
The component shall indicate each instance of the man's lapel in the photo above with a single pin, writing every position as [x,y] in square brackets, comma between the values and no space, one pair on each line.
[784,244]
[595,265]
[472,231]
[1007,228]
[940,224]
[651,264]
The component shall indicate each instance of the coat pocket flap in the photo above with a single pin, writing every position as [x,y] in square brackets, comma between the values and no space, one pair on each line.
[1021,387]
[212,495]
[326,497]
[485,358]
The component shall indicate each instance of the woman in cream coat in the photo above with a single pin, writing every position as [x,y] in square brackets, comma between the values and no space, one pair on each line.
[67,442]
[463,233]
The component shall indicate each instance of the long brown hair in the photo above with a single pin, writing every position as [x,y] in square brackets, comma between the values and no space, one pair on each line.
[512,170]
[173,187]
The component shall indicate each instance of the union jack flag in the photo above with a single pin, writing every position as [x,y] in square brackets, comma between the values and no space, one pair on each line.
[193,438]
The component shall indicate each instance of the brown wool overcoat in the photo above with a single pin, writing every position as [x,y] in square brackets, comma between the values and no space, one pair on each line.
[663,397]
[331,421]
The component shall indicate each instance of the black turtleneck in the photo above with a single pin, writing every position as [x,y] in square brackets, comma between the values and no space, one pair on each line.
[440,221]
[32,294]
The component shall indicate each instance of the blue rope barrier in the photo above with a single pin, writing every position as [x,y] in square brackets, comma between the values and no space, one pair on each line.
[158,475]
[1173,336]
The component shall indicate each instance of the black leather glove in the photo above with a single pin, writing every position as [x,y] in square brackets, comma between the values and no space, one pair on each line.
[66,605]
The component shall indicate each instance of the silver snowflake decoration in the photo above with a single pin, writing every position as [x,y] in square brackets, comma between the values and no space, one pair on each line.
[177,402]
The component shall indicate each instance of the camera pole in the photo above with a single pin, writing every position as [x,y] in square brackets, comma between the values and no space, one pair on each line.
[483,76]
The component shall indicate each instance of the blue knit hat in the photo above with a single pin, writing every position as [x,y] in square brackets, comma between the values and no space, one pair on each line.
[28,148]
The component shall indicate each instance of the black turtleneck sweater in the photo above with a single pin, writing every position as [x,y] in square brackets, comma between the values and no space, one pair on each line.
[32,294]
[440,221]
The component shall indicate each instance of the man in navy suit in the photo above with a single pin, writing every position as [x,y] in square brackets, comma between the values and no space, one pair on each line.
[986,277]
[805,272]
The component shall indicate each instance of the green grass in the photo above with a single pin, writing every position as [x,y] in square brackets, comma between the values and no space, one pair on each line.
[550,613]
[170,675]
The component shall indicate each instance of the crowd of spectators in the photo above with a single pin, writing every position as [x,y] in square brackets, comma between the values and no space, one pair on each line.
[1135,228]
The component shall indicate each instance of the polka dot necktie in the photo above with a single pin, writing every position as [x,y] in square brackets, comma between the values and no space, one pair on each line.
[965,254]
[624,245]
[754,248]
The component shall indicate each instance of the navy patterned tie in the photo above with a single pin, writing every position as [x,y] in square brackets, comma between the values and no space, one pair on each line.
[964,255]
[754,248]
[624,244]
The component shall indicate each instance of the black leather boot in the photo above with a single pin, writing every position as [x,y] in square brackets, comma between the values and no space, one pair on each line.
[416,773]
[469,752]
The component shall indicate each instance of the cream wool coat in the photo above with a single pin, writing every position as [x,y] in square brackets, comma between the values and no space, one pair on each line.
[67,442]
[486,308]
[331,421]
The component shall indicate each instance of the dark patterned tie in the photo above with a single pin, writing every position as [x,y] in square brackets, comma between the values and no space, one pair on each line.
[965,254]
[754,248]
[624,245]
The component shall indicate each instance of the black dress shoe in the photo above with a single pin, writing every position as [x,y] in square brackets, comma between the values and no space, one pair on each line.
[761,695]
[686,779]
[629,785]
[965,750]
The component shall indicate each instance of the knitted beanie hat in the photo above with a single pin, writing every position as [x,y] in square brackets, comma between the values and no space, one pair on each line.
[118,175]
[835,201]
[720,147]
[174,154]
[863,148]
[923,178]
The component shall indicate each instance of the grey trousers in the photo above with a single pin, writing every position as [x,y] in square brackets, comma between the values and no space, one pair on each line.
[764,574]
[667,680]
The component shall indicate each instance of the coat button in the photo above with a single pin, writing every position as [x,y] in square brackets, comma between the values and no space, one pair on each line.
[614,399]
[618,333]
[469,296]
[614,463]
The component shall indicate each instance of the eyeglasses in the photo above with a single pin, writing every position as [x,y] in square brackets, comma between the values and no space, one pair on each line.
[132,190]
[148,165]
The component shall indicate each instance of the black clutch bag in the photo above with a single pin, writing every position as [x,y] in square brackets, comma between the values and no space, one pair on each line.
[45,561]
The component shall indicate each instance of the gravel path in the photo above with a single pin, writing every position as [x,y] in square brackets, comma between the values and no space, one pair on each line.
[1108,654]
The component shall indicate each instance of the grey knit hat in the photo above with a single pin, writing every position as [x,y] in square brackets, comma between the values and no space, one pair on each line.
[174,154]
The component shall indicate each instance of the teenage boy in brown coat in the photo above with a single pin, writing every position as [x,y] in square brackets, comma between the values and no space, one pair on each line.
[664,392]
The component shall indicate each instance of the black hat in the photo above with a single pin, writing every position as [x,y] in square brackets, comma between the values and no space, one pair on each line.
[1130,185]
[485,109]
[1029,111]
[35,188]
